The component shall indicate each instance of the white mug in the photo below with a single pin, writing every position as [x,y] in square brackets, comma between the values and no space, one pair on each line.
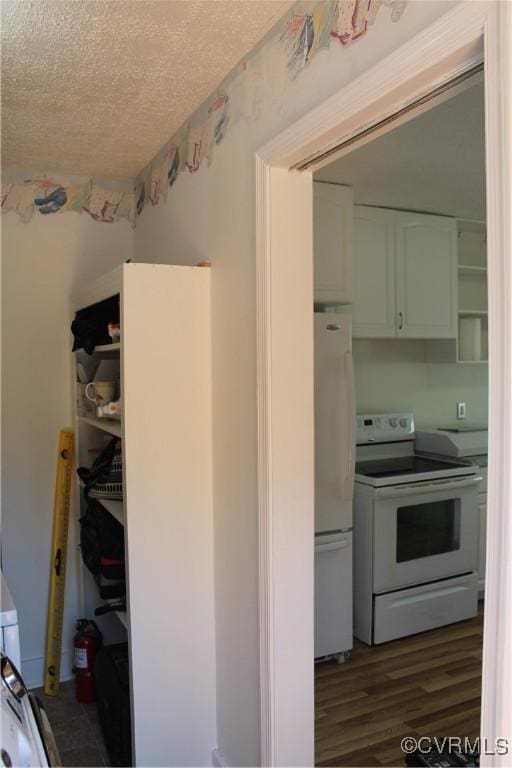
[103,391]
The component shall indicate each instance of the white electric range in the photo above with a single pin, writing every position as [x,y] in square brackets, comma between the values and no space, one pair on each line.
[415,533]
[466,442]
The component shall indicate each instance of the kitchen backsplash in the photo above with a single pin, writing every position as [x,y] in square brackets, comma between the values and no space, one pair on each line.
[395,375]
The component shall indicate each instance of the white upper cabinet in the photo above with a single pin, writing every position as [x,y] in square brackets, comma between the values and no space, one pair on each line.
[333,243]
[426,276]
[405,275]
[373,312]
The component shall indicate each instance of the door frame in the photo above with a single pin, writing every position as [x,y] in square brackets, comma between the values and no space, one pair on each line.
[284,276]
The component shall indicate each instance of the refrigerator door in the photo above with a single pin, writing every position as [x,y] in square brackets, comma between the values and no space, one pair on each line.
[334,422]
[333,593]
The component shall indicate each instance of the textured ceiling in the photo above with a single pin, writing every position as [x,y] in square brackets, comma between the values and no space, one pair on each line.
[98,86]
[435,162]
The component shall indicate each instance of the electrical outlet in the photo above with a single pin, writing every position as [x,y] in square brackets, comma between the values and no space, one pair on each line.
[461,410]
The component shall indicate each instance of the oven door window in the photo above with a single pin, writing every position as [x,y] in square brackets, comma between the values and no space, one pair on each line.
[423,530]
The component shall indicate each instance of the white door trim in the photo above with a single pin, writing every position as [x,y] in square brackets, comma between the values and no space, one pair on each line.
[497,657]
[285,367]
[285,460]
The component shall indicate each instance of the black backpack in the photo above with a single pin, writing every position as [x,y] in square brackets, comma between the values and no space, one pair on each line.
[102,548]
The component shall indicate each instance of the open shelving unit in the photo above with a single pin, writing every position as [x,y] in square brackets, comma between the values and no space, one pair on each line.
[164,369]
[107,348]
[106,425]
[472,342]
[470,346]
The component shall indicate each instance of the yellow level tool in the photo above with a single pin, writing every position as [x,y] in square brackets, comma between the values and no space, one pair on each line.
[58,561]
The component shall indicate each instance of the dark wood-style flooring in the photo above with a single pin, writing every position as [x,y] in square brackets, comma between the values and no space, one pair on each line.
[425,685]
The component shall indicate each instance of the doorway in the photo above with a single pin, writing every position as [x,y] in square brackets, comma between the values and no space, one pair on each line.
[286,480]
[400,259]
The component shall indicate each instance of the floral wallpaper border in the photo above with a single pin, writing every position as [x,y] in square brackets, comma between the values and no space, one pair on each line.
[45,195]
[295,43]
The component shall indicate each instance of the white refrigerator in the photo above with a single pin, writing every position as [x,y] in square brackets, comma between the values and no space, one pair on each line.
[334,484]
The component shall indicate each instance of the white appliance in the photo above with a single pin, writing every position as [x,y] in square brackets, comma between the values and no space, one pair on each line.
[415,534]
[26,738]
[467,442]
[334,484]
[9,638]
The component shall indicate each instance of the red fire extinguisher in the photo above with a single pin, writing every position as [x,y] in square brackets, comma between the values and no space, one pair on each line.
[87,642]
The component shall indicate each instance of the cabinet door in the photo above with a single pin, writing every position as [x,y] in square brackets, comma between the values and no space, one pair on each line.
[482,543]
[426,269]
[333,233]
[374,273]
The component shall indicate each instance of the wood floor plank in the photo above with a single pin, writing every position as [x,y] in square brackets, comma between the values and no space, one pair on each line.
[474,672]
[374,676]
[428,684]
[355,674]
[421,706]
[369,735]
[431,715]
[376,755]
[362,654]
[427,665]
[370,705]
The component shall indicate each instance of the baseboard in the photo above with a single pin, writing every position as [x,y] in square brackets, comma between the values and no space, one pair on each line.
[219,759]
[32,669]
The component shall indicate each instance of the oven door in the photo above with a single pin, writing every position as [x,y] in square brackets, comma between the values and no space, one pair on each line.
[424,531]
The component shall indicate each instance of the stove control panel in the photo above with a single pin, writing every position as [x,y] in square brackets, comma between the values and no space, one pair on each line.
[384,427]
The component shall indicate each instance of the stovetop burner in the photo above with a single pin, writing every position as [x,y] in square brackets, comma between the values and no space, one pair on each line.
[402,465]
[385,454]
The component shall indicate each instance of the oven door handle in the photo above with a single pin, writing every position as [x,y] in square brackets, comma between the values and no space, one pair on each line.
[419,489]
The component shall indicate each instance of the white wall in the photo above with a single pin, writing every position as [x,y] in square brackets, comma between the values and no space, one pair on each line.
[211,214]
[396,375]
[41,263]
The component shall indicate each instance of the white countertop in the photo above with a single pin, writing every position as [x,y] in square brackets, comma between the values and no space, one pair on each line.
[452,444]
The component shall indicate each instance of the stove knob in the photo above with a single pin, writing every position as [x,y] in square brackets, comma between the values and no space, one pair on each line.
[403,423]
[393,423]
